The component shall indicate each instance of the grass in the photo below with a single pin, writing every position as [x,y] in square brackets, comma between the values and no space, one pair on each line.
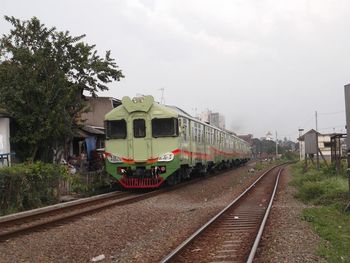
[333,226]
[328,192]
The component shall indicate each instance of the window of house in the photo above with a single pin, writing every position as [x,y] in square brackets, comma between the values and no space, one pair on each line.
[328,144]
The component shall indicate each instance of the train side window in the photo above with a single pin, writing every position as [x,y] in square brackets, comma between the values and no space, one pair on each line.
[168,127]
[182,125]
[139,128]
[195,132]
[206,134]
[184,128]
[199,133]
[115,129]
[188,130]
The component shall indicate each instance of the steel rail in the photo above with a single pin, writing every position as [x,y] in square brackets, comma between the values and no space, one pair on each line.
[263,223]
[179,248]
[67,215]
[60,208]
[52,208]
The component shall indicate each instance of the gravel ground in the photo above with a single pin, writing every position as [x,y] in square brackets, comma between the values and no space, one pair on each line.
[148,230]
[140,232]
[286,237]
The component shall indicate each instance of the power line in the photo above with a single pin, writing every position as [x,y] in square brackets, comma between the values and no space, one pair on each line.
[332,127]
[331,113]
[307,122]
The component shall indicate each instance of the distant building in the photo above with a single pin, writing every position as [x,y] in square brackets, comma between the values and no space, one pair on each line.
[92,134]
[97,109]
[213,118]
[324,144]
[248,138]
[4,138]
[269,136]
[205,116]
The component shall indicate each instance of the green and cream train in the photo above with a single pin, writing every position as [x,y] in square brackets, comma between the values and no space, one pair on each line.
[148,143]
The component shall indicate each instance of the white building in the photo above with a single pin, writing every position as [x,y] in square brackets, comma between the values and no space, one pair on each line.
[205,116]
[4,137]
[269,136]
[213,118]
[324,144]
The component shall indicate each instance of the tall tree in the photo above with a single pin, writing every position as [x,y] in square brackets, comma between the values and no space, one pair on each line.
[43,75]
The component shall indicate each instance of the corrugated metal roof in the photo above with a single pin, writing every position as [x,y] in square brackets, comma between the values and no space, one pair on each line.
[3,113]
[90,129]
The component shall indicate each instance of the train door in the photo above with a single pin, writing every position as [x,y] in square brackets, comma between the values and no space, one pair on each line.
[185,140]
[141,144]
[205,143]
[191,144]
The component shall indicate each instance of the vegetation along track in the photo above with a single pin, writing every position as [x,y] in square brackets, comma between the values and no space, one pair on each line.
[16,224]
[24,222]
[233,234]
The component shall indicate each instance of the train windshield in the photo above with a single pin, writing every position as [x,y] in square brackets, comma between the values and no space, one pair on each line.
[139,128]
[116,129]
[165,127]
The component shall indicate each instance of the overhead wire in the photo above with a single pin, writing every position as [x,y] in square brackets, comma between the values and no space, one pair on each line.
[332,127]
[330,113]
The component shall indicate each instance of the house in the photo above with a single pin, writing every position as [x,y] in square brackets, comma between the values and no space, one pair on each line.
[5,157]
[91,135]
[324,144]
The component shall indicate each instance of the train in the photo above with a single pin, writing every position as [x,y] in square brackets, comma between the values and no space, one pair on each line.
[149,144]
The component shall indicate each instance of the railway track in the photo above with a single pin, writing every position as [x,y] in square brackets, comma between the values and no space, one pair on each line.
[19,223]
[232,235]
[32,220]
[24,222]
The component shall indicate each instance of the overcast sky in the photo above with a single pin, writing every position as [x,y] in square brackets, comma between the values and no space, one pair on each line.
[266,65]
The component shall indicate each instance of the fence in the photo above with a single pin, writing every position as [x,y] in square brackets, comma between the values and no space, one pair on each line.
[83,182]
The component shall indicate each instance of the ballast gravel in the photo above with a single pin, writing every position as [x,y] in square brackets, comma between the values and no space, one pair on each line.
[286,237]
[144,231]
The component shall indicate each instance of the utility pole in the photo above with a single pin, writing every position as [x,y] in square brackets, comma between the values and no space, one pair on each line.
[317,154]
[162,100]
[300,144]
[276,146]
[347,112]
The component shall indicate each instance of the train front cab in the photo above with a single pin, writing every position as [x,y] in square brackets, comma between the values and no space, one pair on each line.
[141,143]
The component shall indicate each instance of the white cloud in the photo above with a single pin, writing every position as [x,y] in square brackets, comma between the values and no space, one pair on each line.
[267,62]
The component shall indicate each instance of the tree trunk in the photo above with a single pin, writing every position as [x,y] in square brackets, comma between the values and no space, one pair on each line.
[33,153]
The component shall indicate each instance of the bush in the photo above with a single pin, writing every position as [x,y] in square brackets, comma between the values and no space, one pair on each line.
[319,187]
[329,170]
[301,178]
[290,156]
[329,191]
[310,191]
[27,186]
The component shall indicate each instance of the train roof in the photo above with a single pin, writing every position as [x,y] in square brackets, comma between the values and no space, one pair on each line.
[146,102]
[181,112]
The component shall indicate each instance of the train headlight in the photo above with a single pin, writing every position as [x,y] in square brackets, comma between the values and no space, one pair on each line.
[113,158]
[167,157]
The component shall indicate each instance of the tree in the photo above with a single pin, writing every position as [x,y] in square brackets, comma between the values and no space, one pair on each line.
[43,75]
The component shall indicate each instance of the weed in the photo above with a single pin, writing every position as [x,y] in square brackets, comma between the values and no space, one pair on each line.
[329,191]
